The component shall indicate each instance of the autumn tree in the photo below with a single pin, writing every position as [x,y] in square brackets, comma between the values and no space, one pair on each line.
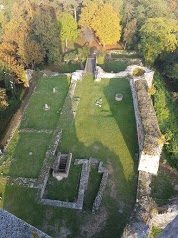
[158,35]
[68,28]
[103,20]
[31,53]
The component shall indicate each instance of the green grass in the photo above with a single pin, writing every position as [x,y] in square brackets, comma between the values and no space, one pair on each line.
[155,231]
[92,189]
[67,188]
[64,68]
[114,66]
[18,162]
[163,187]
[107,133]
[35,116]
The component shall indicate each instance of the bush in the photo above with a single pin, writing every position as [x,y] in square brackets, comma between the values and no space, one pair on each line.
[100,58]
[83,53]
[70,56]
[152,90]
[138,72]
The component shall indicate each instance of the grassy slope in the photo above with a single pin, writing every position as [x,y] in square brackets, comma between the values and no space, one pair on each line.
[107,133]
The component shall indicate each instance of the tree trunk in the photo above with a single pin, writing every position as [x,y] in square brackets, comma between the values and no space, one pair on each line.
[125,45]
[66,43]
[75,14]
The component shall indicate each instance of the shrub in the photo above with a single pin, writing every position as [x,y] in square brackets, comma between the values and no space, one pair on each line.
[83,53]
[70,56]
[152,90]
[138,72]
[100,58]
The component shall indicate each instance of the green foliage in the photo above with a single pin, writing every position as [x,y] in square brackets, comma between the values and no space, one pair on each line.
[129,32]
[138,72]
[157,36]
[70,56]
[155,231]
[114,66]
[167,114]
[83,53]
[68,28]
[101,57]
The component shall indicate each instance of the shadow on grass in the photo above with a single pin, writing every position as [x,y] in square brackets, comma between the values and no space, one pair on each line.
[81,136]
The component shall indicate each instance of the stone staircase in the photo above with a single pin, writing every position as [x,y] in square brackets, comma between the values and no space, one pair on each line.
[62,164]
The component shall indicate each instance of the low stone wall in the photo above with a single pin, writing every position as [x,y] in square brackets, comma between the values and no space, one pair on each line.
[83,184]
[31,130]
[22,182]
[48,161]
[81,192]
[99,197]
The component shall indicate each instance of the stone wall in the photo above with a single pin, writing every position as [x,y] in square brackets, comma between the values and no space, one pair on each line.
[147,126]
[13,227]
[99,196]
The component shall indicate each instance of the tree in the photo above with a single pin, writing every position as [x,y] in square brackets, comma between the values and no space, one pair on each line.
[45,32]
[68,27]
[106,25]
[88,15]
[129,31]
[103,20]
[158,35]
[31,53]
[69,6]
[87,34]
[152,9]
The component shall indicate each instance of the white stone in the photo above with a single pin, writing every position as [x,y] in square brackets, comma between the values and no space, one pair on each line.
[46,107]
[30,153]
[118,97]
[76,75]
[149,163]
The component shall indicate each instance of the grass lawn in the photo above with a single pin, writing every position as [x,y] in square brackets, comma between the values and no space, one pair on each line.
[93,186]
[35,116]
[114,66]
[64,68]
[107,133]
[62,190]
[18,162]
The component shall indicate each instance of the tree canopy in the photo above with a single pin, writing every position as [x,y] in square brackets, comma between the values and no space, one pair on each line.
[103,20]
[157,36]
